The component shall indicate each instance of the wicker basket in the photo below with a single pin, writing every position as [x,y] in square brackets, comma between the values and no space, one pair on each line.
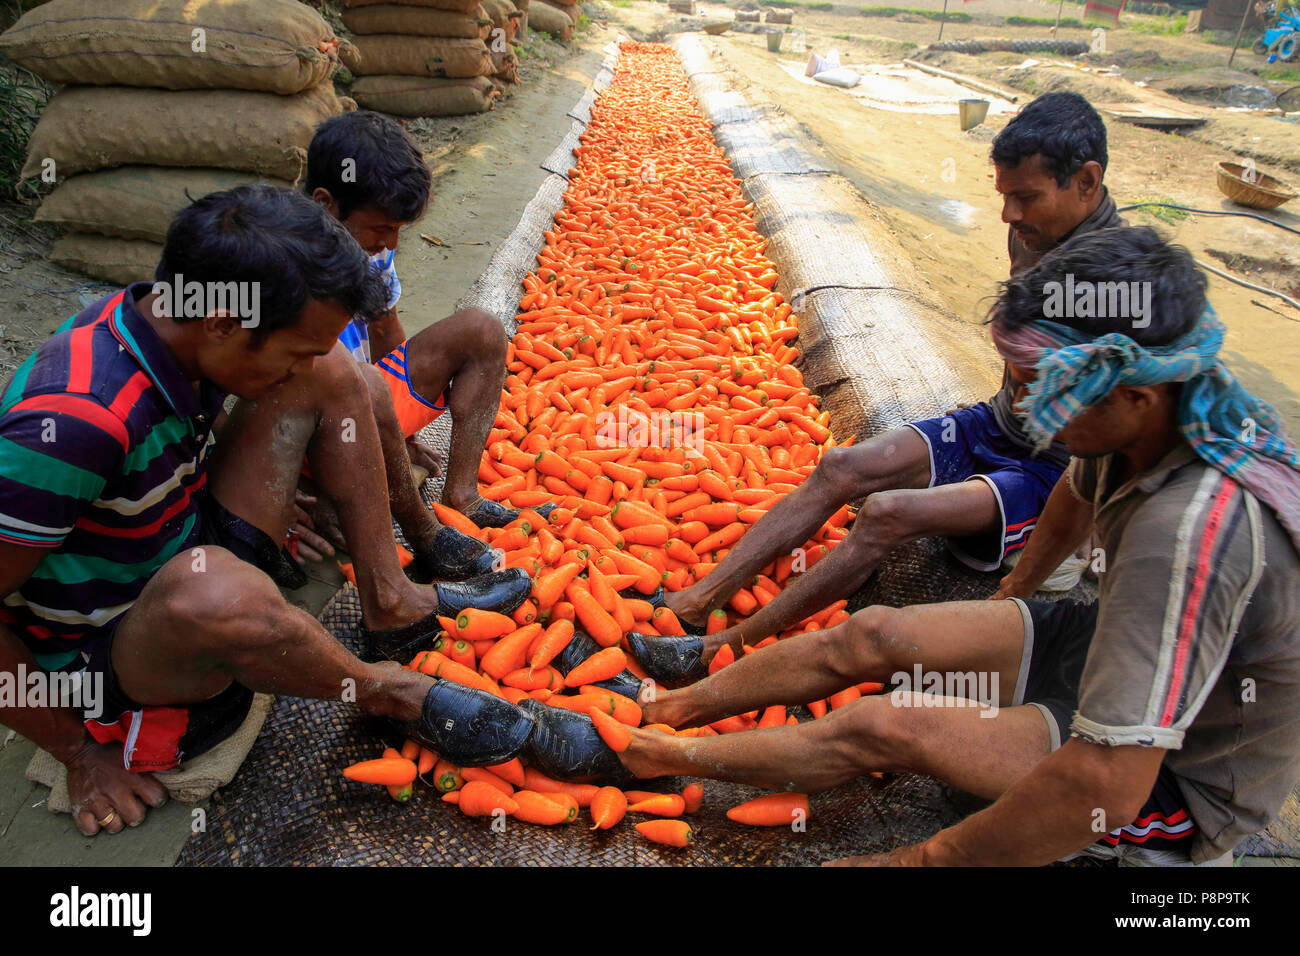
[1264,193]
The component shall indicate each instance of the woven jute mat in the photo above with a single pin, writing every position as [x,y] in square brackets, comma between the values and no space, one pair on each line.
[291,806]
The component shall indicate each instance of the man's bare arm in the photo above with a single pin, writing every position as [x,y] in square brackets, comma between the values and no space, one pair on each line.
[99,786]
[1067,802]
[386,333]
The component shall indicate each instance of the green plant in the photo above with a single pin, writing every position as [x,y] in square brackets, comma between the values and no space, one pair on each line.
[620,3]
[1072,23]
[22,97]
[1280,74]
[822,6]
[952,16]
[1166,215]
[1157,26]
[843,36]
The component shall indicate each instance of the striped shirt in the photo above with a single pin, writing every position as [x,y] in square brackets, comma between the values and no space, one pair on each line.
[1197,645]
[356,335]
[103,448]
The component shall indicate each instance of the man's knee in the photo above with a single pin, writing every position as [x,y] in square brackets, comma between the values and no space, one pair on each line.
[871,725]
[487,334]
[868,642]
[838,472]
[218,602]
[886,518]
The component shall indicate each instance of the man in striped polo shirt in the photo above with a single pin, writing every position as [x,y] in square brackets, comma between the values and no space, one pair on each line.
[1160,724]
[135,547]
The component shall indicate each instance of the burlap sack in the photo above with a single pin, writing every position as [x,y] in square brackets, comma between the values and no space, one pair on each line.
[544,18]
[389,54]
[572,11]
[119,261]
[134,202]
[192,782]
[505,65]
[424,96]
[99,127]
[418,21]
[457,6]
[522,7]
[780,16]
[277,46]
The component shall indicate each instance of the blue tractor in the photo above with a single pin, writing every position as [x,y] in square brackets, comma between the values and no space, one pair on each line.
[1281,39]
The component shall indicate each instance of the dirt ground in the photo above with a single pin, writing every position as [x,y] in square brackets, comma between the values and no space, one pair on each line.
[952,229]
[930,183]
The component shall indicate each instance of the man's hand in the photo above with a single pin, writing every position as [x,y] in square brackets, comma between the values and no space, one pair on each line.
[1012,585]
[913,855]
[422,456]
[310,544]
[104,794]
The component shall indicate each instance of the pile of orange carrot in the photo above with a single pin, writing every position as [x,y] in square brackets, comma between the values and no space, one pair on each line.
[652,394]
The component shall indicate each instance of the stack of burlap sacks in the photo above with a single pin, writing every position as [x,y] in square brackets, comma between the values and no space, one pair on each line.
[556,17]
[443,57]
[433,57]
[167,101]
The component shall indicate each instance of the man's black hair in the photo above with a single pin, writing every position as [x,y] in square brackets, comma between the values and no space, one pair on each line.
[1063,128]
[365,159]
[292,247]
[1121,254]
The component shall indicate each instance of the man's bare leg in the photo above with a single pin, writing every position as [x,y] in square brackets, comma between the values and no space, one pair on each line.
[874,644]
[897,459]
[468,347]
[887,520]
[198,626]
[326,414]
[417,522]
[983,755]
[980,754]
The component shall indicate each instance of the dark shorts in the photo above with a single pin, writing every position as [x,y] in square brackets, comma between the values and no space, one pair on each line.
[158,738]
[968,444]
[1057,637]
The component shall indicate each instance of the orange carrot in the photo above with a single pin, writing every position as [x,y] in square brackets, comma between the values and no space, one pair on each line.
[390,771]
[479,799]
[669,832]
[595,619]
[508,653]
[599,666]
[615,734]
[661,805]
[483,775]
[693,795]
[608,807]
[512,771]
[446,777]
[555,639]
[532,807]
[473,624]
[771,810]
